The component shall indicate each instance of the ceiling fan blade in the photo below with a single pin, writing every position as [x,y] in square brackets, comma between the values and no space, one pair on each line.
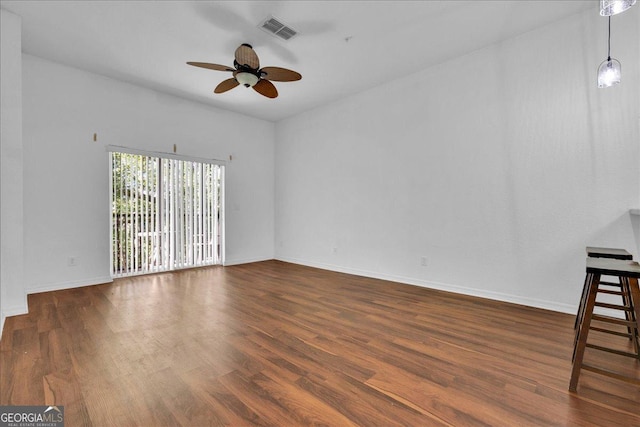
[216,67]
[245,55]
[226,85]
[278,74]
[266,88]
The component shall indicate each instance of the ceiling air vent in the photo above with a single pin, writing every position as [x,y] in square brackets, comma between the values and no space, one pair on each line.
[275,27]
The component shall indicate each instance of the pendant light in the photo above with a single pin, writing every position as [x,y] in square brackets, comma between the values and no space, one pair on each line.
[610,71]
[613,7]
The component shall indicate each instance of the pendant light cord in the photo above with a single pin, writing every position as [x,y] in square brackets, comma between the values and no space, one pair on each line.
[609,41]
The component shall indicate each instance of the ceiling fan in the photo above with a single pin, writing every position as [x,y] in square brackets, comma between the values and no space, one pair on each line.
[247,72]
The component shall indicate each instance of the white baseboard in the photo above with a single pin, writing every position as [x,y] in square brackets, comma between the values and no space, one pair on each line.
[231,262]
[47,287]
[481,293]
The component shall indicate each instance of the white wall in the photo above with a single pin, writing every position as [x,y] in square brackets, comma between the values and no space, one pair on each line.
[499,167]
[494,173]
[12,295]
[66,172]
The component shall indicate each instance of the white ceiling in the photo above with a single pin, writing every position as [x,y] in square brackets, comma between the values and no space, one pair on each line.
[343,47]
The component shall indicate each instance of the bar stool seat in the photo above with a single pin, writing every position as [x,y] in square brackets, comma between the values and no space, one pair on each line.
[613,253]
[628,273]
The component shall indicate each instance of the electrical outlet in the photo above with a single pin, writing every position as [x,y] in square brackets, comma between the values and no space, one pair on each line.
[72,261]
[424,261]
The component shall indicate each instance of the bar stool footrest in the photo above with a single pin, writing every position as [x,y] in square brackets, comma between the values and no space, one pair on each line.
[609,331]
[614,320]
[617,285]
[611,350]
[610,292]
[613,306]
[611,374]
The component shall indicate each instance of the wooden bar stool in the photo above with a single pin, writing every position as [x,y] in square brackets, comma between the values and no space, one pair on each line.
[628,273]
[618,288]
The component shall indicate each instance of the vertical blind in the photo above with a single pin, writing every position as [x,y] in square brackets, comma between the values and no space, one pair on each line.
[165,213]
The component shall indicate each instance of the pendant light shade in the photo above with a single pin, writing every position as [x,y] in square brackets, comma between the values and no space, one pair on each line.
[609,73]
[613,7]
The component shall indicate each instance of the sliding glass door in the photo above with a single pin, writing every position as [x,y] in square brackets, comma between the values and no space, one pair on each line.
[166,213]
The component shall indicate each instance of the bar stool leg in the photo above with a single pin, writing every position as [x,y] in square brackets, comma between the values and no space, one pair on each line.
[588,280]
[583,331]
[634,294]
[626,300]
[583,299]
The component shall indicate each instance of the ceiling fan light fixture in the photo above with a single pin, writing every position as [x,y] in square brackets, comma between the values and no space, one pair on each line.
[247,79]
[613,7]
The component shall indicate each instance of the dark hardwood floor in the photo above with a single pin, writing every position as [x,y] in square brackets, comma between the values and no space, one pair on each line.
[279,344]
